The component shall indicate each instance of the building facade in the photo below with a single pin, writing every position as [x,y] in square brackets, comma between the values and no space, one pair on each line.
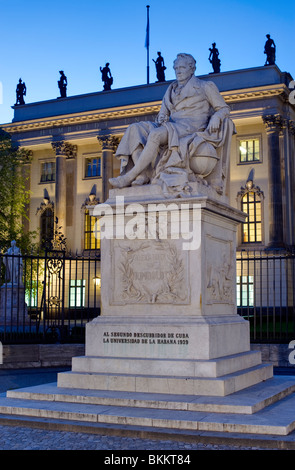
[73,141]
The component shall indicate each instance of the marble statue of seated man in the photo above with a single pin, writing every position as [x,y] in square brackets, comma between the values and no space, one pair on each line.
[183,141]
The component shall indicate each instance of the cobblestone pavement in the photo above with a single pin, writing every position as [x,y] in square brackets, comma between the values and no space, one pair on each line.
[23,438]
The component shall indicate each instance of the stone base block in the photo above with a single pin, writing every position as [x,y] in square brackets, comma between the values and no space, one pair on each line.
[220,386]
[13,309]
[196,338]
[167,367]
[189,356]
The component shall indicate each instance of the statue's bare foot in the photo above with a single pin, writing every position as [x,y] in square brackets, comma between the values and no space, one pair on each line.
[120,182]
[140,180]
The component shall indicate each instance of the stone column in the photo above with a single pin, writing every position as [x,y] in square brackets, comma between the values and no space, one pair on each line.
[273,125]
[109,144]
[292,179]
[63,150]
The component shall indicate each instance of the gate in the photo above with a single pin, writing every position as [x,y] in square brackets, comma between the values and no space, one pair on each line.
[50,297]
[265,294]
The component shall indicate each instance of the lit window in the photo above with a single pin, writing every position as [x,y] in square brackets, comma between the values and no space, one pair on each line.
[77,292]
[249,150]
[252,227]
[245,291]
[92,167]
[31,295]
[91,232]
[46,226]
[47,172]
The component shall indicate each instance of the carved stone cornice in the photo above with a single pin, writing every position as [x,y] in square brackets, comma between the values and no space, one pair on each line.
[45,204]
[109,142]
[63,148]
[133,111]
[250,186]
[91,200]
[70,120]
[256,93]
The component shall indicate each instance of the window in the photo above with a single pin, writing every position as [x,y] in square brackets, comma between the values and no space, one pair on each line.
[46,226]
[91,232]
[47,172]
[77,292]
[245,291]
[31,294]
[92,167]
[249,150]
[252,227]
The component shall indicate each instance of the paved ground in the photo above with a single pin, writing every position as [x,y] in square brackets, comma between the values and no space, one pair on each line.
[36,439]
[26,438]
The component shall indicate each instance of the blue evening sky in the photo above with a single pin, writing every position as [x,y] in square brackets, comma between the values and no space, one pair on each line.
[40,38]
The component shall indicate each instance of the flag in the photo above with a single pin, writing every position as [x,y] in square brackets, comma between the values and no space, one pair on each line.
[147,37]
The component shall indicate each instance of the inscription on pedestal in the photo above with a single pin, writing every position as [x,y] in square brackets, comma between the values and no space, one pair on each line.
[120,337]
[149,272]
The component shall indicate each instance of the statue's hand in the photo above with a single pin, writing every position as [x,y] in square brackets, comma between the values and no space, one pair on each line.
[161,118]
[214,124]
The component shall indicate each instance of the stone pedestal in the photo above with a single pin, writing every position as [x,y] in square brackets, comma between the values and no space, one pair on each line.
[13,309]
[168,319]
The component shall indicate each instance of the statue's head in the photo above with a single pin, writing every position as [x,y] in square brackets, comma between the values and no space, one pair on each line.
[188,62]
[188,58]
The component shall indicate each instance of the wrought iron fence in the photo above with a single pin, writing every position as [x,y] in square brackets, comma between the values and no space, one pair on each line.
[48,297]
[265,294]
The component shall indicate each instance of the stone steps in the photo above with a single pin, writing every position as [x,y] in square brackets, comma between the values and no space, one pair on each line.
[247,401]
[267,408]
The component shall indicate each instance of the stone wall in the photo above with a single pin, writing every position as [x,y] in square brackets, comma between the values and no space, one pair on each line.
[60,355]
[277,354]
[19,356]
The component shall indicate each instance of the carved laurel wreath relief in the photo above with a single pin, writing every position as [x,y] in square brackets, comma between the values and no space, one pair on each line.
[152,273]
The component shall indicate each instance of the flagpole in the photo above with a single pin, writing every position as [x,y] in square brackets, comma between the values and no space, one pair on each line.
[148,44]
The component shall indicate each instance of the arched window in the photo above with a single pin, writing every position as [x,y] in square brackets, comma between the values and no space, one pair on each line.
[252,227]
[251,203]
[91,232]
[46,226]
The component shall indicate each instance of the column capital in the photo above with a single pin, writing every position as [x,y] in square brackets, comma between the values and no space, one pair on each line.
[273,122]
[109,142]
[63,148]
[292,127]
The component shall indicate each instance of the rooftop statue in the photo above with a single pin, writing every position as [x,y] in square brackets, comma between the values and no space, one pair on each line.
[214,58]
[160,68]
[188,141]
[21,91]
[106,77]
[62,84]
[270,51]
